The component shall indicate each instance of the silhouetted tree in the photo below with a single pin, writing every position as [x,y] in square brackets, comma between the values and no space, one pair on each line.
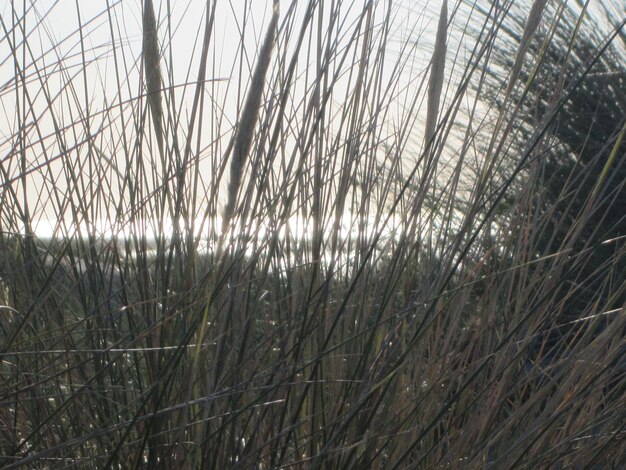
[576,96]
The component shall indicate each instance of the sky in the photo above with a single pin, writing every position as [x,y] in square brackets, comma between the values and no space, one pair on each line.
[63,35]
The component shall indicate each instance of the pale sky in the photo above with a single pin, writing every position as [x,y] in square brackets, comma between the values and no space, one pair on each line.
[54,57]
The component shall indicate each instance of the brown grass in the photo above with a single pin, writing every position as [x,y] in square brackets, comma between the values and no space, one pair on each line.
[456,300]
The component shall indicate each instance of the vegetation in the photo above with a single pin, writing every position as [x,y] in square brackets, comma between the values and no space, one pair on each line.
[322,254]
[579,174]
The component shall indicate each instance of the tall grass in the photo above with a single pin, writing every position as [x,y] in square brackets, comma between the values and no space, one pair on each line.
[385,277]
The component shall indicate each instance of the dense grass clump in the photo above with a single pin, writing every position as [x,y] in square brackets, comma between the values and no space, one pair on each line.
[313,235]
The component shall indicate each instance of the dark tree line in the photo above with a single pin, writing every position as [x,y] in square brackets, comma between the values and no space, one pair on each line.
[578,170]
